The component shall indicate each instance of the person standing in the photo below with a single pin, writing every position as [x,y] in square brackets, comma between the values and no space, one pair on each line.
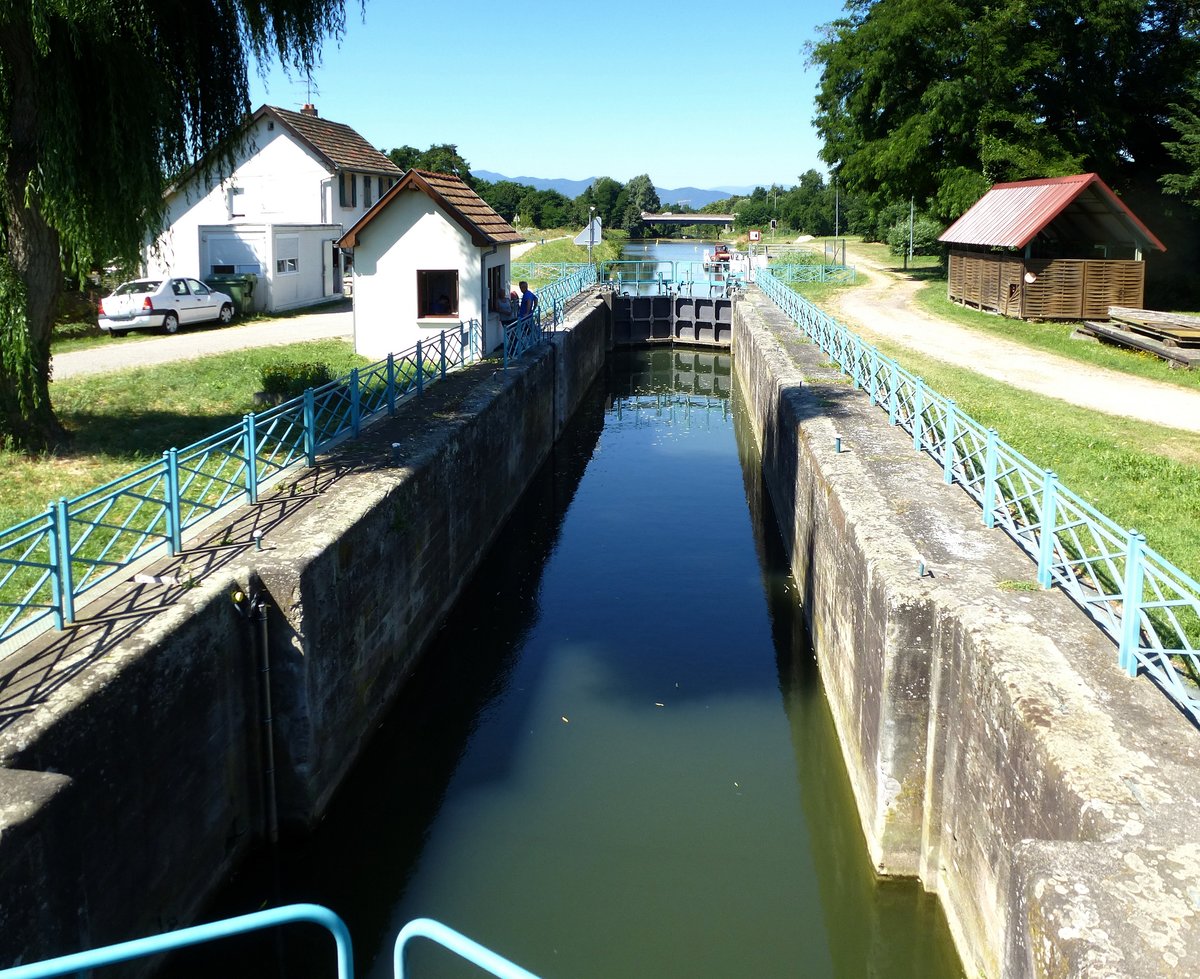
[529,300]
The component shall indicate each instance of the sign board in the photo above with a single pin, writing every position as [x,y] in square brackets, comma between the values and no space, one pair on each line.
[755,235]
[772,224]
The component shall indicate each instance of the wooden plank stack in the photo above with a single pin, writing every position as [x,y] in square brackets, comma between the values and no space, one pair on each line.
[1173,336]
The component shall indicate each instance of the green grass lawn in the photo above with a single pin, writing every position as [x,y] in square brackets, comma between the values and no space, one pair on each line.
[122,420]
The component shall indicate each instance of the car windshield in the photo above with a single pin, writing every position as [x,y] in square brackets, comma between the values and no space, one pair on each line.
[141,285]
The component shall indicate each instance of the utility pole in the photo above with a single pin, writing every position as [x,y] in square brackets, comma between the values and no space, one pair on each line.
[911,204]
[837,227]
[591,232]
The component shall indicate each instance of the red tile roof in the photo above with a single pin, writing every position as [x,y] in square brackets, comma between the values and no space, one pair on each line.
[453,196]
[1012,215]
[335,142]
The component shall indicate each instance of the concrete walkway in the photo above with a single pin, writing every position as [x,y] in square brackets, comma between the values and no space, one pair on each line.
[151,348]
[885,309]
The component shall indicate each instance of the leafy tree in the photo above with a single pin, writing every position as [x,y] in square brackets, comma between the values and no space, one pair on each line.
[603,194]
[640,196]
[935,99]
[78,186]
[1185,153]
[405,157]
[925,233]
[445,158]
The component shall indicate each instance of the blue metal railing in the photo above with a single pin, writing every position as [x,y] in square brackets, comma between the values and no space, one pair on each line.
[169,941]
[791,272]
[199,934]
[1149,607]
[553,303]
[457,943]
[50,560]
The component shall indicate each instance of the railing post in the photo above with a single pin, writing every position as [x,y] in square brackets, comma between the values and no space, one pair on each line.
[64,577]
[873,389]
[991,463]
[391,384]
[250,448]
[442,344]
[1046,540]
[918,413]
[355,403]
[855,360]
[174,530]
[420,371]
[310,426]
[948,442]
[1131,604]
[893,394]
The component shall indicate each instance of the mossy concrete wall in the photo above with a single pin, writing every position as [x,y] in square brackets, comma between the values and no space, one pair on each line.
[132,745]
[995,750]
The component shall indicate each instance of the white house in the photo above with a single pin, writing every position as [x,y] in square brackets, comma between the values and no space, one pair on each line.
[297,183]
[431,253]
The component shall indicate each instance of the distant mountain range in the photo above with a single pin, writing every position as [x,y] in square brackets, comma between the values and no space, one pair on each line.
[692,196]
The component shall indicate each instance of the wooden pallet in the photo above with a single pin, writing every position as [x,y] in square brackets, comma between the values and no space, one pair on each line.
[1175,355]
[1169,329]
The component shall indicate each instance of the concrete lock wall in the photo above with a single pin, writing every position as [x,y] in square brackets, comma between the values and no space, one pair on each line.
[995,750]
[138,782]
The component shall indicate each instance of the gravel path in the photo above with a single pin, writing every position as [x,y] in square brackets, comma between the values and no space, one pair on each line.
[885,309]
[132,350]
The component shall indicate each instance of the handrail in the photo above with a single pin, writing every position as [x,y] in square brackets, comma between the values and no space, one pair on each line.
[195,935]
[1148,606]
[553,303]
[457,943]
[48,561]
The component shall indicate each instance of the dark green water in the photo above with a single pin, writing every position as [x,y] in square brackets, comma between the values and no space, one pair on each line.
[617,760]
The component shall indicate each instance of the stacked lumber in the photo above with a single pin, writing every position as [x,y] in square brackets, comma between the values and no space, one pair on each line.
[1173,336]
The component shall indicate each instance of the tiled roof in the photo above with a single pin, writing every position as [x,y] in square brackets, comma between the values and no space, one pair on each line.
[341,146]
[1012,215]
[459,201]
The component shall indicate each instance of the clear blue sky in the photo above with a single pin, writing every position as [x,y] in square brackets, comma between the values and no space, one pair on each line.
[699,94]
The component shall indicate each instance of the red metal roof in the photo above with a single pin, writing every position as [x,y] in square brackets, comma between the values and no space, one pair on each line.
[459,201]
[1012,215]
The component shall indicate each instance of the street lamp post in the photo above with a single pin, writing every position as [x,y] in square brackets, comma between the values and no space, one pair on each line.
[591,231]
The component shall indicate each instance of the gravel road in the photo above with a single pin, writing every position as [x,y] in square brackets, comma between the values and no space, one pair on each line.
[885,309]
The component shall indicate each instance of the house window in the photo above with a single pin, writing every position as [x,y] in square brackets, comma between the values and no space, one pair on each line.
[495,285]
[347,189]
[366,190]
[287,254]
[236,208]
[437,293]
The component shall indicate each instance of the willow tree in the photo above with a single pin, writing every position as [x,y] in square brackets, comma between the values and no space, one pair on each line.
[101,101]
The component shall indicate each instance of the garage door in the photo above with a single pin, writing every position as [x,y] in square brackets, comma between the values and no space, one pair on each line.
[229,253]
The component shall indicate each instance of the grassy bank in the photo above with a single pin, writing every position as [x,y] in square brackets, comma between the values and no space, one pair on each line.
[122,420]
[1137,474]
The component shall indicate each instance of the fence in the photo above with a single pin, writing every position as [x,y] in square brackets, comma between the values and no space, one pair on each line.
[554,302]
[457,943]
[1149,607]
[49,561]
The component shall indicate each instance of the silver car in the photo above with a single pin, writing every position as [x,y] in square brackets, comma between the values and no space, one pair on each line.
[168,303]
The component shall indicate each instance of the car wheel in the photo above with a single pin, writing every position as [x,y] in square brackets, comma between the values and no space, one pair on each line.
[117,333]
[226,316]
[171,323]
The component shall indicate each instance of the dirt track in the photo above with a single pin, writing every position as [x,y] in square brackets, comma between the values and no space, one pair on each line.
[884,309]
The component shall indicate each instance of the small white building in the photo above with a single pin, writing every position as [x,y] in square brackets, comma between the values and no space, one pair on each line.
[430,254]
[297,183]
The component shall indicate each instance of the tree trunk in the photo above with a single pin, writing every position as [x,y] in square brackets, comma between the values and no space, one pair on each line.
[30,268]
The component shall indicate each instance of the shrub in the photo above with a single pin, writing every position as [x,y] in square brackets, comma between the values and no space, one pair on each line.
[291,380]
[925,233]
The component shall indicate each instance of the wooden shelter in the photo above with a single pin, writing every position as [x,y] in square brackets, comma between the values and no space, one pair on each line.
[1058,248]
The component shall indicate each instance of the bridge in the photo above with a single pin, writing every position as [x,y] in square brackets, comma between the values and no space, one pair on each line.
[649,217]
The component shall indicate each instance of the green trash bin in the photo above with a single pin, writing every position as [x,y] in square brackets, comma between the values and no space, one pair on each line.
[239,286]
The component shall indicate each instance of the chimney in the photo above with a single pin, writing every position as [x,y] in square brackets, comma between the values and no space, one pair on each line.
[308,109]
